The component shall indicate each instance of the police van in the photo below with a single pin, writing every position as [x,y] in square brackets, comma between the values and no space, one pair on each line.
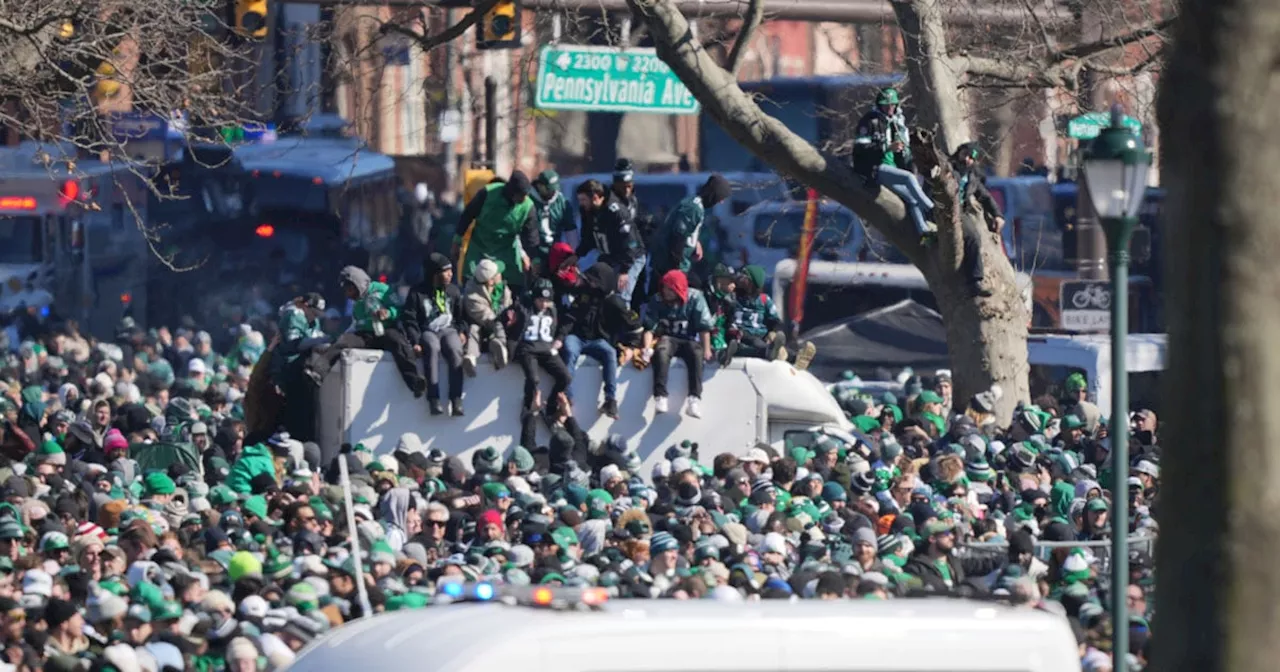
[590,633]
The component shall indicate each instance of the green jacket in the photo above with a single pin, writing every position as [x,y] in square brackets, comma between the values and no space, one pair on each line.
[378,296]
[254,460]
[496,232]
[680,235]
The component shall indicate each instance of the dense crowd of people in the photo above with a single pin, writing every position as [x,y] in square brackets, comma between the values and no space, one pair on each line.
[155,517]
[140,530]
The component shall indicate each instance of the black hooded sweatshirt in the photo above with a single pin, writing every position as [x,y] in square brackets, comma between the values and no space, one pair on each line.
[600,312]
[431,308]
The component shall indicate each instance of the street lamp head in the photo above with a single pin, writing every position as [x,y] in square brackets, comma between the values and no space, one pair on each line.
[1115,167]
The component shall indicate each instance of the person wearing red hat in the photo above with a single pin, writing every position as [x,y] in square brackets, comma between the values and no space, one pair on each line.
[677,321]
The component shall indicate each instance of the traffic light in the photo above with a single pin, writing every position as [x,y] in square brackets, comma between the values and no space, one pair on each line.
[251,18]
[106,86]
[500,28]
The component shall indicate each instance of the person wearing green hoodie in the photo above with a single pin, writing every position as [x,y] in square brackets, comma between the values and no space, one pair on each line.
[374,326]
[254,460]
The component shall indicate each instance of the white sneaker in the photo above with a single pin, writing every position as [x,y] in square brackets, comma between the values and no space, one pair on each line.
[498,352]
[693,407]
[660,405]
[469,366]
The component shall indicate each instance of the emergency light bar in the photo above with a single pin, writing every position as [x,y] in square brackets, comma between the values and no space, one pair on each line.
[531,596]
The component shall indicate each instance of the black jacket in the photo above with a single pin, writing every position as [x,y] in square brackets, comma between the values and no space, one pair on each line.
[533,330]
[975,187]
[613,231]
[421,313]
[922,567]
[598,312]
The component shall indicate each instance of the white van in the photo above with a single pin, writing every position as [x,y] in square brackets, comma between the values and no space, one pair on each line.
[915,635]
[364,400]
[838,290]
[1053,357]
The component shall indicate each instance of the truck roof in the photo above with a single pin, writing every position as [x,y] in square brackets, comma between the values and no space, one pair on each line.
[334,160]
[1143,352]
[917,634]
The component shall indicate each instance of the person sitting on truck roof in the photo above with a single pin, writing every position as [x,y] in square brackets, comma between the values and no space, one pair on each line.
[432,319]
[755,327]
[676,323]
[676,244]
[721,303]
[373,325]
[597,320]
[538,333]
[484,298]
[499,223]
[882,153]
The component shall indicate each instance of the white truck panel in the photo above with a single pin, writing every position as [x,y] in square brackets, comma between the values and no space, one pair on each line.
[364,400]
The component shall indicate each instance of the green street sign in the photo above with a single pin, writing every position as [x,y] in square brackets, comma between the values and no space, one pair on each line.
[1088,126]
[609,79]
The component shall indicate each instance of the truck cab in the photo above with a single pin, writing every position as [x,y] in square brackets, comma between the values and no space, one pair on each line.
[750,401]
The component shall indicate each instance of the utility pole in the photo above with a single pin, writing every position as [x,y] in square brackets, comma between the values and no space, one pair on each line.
[449,158]
[491,122]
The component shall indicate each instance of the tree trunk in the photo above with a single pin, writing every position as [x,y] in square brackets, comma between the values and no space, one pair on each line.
[1222,477]
[986,337]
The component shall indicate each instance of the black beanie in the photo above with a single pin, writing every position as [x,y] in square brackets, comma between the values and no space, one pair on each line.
[715,190]
[57,612]
[518,186]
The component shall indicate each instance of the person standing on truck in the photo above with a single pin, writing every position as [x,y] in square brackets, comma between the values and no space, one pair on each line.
[882,154]
[432,321]
[499,223]
[676,244]
[555,218]
[598,319]
[300,333]
[538,343]
[485,298]
[608,227]
[677,322]
[975,203]
[373,325]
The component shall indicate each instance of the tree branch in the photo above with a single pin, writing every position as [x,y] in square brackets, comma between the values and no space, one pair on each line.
[766,137]
[1121,71]
[429,42]
[1007,73]
[1044,31]
[1087,49]
[755,15]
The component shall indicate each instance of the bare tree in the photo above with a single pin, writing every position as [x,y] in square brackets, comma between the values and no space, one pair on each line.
[986,336]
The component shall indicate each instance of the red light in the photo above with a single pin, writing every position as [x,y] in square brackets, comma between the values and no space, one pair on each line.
[542,596]
[317,180]
[265,230]
[126,298]
[275,173]
[255,173]
[382,278]
[594,597]
[17,203]
[70,191]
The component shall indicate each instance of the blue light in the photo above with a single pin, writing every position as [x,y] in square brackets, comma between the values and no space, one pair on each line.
[484,591]
[452,589]
[44,311]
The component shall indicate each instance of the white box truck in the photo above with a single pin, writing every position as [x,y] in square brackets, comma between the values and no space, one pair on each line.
[364,400]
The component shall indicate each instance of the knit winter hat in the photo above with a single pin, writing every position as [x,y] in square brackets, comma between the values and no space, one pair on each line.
[522,458]
[51,453]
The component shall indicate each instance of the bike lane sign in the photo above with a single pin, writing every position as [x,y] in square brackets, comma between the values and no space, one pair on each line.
[1085,305]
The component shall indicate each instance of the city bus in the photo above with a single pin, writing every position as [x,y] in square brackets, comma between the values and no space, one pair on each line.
[305,206]
[72,244]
